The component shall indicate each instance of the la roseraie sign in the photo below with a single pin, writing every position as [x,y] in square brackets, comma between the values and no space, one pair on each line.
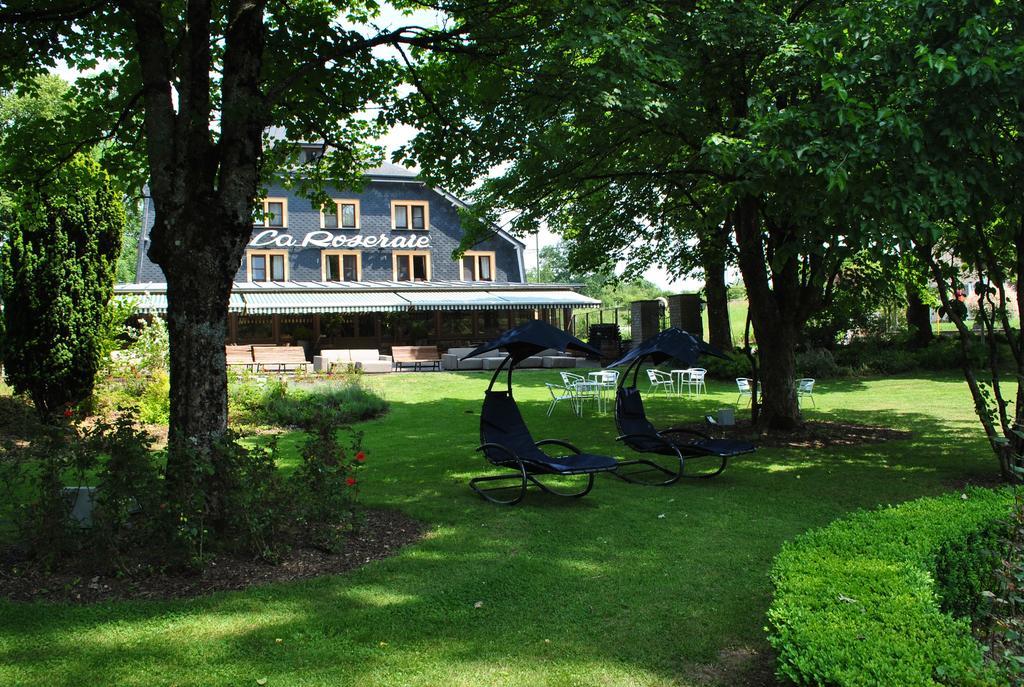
[327,239]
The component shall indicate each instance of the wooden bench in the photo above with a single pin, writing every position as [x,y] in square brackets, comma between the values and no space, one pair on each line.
[279,358]
[416,356]
[239,356]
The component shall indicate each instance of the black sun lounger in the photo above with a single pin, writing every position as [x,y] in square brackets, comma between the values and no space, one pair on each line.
[637,432]
[506,442]
[505,439]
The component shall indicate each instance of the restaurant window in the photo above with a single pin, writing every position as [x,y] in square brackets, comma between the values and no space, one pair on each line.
[345,215]
[477,266]
[255,329]
[337,326]
[275,212]
[267,265]
[295,330]
[410,214]
[341,265]
[457,323]
[491,322]
[411,266]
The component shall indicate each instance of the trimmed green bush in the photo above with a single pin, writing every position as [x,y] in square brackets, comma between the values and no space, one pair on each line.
[857,602]
[56,279]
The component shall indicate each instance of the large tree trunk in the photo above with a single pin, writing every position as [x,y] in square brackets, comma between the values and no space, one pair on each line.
[203,188]
[919,320]
[774,320]
[716,292]
[197,329]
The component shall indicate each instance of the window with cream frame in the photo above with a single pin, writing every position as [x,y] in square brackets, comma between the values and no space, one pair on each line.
[341,265]
[412,215]
[345,216]
[266,265]
[275,213]
[477,265]
[411,266]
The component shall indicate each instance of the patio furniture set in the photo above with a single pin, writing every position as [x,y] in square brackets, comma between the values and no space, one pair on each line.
[506,441]
[804,389]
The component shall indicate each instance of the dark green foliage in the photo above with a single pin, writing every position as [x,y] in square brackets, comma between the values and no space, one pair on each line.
[1003,624]
[56,279]
[275,402]
[857,602]
[253,511]
[31,480]
[817,363]
[128,488]
[879,356]
[326,485]
[255,501]
[965,569]
[864,292]
[736,365]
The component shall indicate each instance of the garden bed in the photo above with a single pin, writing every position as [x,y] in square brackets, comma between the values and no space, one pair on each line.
[813,434]
[382,534]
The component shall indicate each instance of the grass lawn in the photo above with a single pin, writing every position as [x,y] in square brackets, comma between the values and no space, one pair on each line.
[628,586]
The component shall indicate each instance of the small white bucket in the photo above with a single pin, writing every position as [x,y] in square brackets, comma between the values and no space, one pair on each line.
[727,417]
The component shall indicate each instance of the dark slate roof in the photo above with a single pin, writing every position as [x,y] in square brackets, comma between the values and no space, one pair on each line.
[390,171]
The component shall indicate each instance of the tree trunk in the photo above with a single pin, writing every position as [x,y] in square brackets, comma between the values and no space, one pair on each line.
[919,321]
[774,320]
[715,290]
[197,327]
[777,365]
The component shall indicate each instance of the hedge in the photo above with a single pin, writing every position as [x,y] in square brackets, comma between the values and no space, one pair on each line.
[858,602]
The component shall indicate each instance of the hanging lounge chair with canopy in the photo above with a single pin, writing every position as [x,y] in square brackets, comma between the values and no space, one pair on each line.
[679,443]
[505,439]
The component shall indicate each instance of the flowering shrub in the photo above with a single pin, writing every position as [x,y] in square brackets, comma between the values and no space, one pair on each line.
[326,485]
[132,520]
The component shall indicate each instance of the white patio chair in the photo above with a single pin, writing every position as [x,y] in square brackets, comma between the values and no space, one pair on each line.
[606,380]
[581,389]
[660,380]
[609,378]
[744,385]
[695,381]
[561,393]
[805,387]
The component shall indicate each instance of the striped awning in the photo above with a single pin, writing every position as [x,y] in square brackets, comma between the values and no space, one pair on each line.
[319,297]
[270,303]
[156,303]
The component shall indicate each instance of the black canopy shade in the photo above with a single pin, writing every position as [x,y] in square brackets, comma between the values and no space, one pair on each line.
[671,343]
[533,337]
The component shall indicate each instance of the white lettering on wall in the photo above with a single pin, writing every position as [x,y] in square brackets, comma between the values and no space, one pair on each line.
[327,239]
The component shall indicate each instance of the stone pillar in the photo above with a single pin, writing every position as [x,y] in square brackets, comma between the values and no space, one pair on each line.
[684,312]
[646,320]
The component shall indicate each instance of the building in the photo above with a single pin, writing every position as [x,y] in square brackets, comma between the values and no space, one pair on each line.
[377,271]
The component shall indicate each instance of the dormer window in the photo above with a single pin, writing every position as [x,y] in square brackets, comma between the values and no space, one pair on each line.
[345,215]
[275,213]
[410,214]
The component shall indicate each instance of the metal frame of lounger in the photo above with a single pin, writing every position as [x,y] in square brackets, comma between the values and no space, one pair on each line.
[529,462]
[652,440]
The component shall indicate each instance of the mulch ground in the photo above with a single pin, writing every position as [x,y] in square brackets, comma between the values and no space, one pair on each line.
[813,434]
[383,533]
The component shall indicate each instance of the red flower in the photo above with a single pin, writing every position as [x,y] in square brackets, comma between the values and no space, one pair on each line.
[68,412]
[351,481]
[360,457]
